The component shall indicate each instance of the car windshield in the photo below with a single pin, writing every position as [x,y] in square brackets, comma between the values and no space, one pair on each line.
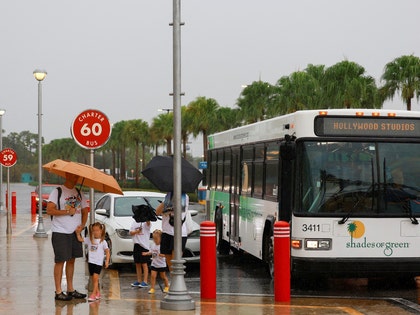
[123,205]
[358,178]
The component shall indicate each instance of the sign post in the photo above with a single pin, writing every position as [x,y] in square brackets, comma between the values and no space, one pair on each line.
[91,130]
[8,158]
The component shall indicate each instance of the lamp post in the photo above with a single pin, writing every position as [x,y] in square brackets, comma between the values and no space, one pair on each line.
[40,230]
[167,110]
[178,298]
[2,112]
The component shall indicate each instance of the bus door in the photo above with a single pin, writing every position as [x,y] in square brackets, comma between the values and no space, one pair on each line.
[234,196]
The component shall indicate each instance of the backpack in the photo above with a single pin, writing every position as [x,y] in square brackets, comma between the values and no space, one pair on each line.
[59,196]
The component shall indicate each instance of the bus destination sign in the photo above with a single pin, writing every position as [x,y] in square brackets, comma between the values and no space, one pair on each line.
[345,126]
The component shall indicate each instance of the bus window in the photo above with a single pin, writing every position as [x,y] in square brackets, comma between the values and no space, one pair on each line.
[213,167]
[258,179]
[227,177]
[246,188]
[226,170]
[247,158]
[337,178]
[271,183]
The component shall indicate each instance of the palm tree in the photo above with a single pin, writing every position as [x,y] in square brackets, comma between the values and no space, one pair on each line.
[351,228]
[402,75]
[136,131]
[227,118]
[204,113]
[347,86]
[117,144]
[186,125]
[163,128]
[254,101]
[296,92]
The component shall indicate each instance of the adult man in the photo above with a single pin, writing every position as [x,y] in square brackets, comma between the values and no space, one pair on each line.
[69,217]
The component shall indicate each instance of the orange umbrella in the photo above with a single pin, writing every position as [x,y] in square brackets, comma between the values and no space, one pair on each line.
[88,175]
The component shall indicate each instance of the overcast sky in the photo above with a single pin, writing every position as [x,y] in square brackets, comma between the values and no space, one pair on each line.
[116,56]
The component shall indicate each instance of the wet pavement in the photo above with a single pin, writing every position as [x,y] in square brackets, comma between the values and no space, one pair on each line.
[26,284]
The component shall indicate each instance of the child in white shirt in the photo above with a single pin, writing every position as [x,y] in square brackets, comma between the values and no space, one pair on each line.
[98,249]
[158,262]
[141,238]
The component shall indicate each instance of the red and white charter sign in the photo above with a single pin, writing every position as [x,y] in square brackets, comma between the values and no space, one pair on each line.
[91,129]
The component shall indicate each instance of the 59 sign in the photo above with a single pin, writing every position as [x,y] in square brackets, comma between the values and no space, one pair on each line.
[91,129]
[8,157]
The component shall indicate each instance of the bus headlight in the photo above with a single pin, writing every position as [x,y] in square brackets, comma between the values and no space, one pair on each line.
[318,243]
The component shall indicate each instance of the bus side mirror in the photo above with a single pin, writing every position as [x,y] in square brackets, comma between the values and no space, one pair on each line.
[288,149]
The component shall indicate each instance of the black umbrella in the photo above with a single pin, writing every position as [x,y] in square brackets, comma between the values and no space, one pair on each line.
[143,213]
[160,173]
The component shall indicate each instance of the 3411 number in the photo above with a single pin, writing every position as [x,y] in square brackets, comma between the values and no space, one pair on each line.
[311,228]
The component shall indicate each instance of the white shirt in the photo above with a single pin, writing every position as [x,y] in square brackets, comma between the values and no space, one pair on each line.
[157,261]
[96,250]
[143,238]
[67,224]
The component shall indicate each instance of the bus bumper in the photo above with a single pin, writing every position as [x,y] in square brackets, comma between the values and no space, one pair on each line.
[361,267]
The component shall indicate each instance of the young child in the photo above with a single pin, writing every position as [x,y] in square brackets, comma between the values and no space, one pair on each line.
[158,263]
[141,238]
[98,248]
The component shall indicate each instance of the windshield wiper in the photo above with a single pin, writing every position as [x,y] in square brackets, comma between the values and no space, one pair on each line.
[347,216]
[411,215]
[372,188]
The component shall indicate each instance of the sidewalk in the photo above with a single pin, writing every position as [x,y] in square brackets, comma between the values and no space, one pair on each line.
[26,287]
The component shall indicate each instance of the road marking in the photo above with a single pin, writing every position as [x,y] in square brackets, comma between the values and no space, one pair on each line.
[20,232]
[114,285]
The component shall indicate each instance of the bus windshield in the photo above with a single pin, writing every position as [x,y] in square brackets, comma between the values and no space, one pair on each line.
[364,179]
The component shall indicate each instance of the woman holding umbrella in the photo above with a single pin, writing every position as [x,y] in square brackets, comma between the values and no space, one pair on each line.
[69,215]
[165,209]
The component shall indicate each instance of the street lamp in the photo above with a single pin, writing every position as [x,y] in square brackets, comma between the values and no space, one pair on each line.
[2,112]
[40,230]
[167,110]
[178,298]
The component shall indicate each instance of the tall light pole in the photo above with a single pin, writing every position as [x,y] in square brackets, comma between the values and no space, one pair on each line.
[40,230]
[178,298]
[2,112]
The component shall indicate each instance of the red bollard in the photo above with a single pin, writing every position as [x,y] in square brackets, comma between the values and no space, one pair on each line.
[281,261]
[33,202]
[13,202]
[208,260]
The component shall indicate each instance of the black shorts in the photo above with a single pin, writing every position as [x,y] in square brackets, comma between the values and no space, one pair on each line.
[94,268]
[157,269]
[138,256]
[167,244]
[66,246]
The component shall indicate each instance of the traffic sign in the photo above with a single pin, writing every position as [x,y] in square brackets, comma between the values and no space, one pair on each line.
[8,157]
[91,129]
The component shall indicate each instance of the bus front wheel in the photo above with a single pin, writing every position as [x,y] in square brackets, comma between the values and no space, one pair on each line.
[269,253]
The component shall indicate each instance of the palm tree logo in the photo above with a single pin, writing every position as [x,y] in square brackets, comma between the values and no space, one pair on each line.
[356,229]
[351,228]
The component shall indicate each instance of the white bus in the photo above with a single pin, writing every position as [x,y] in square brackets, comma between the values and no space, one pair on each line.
[346,180]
